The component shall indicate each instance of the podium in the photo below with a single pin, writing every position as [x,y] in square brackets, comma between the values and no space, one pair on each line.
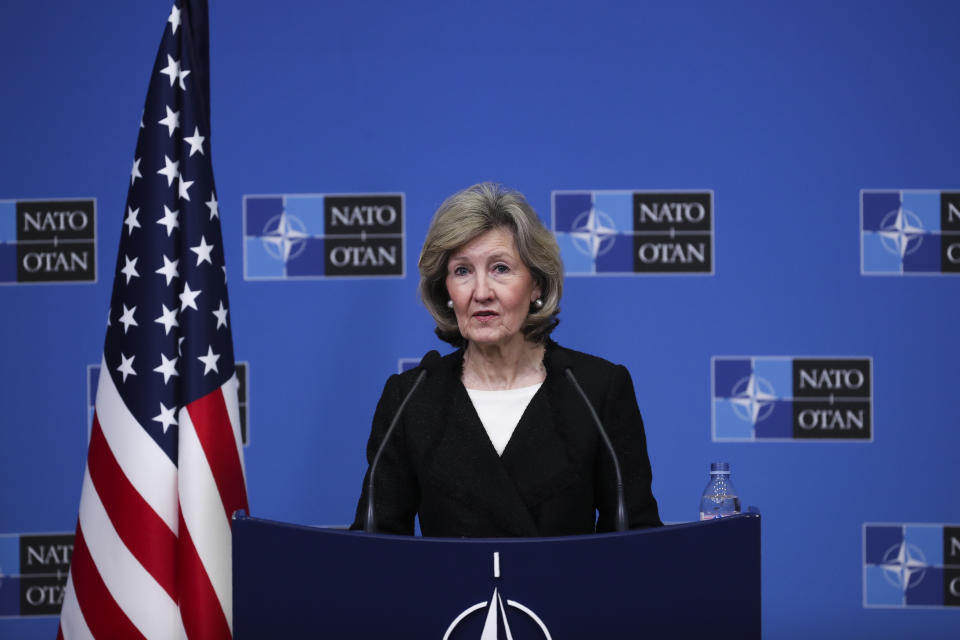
[674,581]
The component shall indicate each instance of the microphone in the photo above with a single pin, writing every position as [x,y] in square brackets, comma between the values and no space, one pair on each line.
[621,523]
[427,364]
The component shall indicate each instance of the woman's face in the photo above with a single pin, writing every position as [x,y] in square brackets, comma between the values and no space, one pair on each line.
[491,288]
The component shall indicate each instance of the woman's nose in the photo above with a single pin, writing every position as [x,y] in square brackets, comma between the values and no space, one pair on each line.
[482,290]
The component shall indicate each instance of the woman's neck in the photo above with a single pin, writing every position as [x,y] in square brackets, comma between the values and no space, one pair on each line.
[508,366]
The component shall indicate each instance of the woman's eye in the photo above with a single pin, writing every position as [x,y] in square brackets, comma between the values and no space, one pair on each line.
[501,268]
[460,271]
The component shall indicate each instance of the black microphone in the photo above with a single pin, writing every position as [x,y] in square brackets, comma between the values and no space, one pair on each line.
[621,504]
[428,362]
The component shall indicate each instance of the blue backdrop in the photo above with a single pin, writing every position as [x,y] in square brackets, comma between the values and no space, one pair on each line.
[784,110]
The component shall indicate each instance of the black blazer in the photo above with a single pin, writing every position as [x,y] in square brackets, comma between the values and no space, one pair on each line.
[553,478]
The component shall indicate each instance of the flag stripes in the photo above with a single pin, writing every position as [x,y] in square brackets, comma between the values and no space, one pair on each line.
[165,462]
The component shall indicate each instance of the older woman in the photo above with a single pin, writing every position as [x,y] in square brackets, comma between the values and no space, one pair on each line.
[497,441]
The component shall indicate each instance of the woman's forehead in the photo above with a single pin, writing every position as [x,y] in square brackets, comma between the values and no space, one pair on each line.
[497,241]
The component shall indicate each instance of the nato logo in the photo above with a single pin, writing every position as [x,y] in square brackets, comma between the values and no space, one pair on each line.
[303,237]
[33,573]
[48,241]
[911,565]
[242,370]
[492,618]
[915,232]
[616,233]
[777,398]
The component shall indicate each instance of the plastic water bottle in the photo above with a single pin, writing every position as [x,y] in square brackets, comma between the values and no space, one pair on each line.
[719,498]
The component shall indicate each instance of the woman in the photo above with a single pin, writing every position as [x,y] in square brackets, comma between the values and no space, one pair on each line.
[496,441]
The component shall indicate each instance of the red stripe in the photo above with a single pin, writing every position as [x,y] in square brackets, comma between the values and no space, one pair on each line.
[199,607]
[60,632]
[147,536]
[103,615]
[212,424]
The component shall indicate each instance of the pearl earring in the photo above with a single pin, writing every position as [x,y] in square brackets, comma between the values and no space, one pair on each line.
[538,303]
[449,304]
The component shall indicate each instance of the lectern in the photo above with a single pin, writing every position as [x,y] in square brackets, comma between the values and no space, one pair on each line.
[678,581]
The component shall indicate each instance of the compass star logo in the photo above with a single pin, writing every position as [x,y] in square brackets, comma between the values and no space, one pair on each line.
[496,619]
[593,232]
[904,565]
[901,232]
[284,237]
[753,398]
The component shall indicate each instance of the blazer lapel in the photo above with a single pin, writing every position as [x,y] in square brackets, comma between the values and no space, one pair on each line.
[465,463]
[536,457]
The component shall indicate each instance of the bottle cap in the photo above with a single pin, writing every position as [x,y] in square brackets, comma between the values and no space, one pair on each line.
[720,467]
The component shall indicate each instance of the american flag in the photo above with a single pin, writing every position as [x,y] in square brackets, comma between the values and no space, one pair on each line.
[165,465]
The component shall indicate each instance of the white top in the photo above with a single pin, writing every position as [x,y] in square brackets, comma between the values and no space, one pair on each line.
[500,411]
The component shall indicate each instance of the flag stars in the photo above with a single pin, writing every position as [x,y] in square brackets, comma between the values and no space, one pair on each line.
[127,319]
[174,71]
[170,169]
[167,417]
[183,186]
[221,315]
[169,220]
[203,251]
[126,366]
[130,268]
[168,319]
[135,172]
[171,121]
[169,269]
[167,367]
[213,205]
[188,299]
[174,19]
[195,141]
[209,361]
[131,220]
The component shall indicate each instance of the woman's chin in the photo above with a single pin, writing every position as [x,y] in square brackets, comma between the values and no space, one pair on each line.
[492,338]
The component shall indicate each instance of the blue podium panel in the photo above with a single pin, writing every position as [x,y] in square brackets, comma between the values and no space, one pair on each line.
[674,581]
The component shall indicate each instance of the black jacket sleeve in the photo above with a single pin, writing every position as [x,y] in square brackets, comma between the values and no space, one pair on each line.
[396,491]
[621,418]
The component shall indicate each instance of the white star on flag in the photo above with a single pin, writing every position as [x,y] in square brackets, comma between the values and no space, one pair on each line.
[170,170]
[171,122]
[169,269]
[130,268]
[174,19]
[169,220]
[184,185]
[135,172]
[131,220]
[172,69]
[168,319]
[188,299]
[126,366]
[221,315]
[209,361]
[127,318]
[203,251]
[167,367]
[195,141]
[213,206]
[167,417]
